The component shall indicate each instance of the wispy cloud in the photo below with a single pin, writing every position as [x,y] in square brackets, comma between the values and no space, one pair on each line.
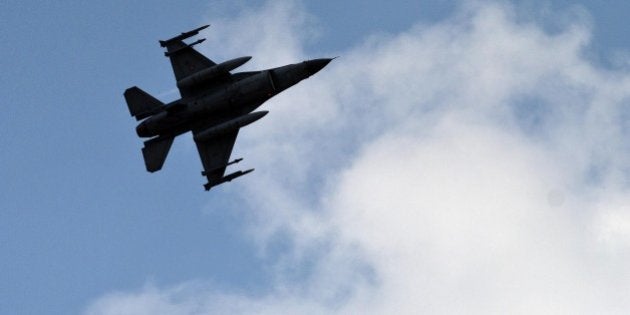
[477,165]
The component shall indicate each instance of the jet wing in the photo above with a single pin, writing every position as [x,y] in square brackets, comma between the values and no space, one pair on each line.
[215,154]
[186,60]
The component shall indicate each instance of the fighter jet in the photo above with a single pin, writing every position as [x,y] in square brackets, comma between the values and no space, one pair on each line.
[214,105]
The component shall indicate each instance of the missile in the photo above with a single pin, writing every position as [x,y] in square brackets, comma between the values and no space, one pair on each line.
[212,72]
[205,173]
[227,178]
[182,36]
[228,126]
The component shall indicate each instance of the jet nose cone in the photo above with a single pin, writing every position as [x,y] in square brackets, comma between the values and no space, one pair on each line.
[313,66]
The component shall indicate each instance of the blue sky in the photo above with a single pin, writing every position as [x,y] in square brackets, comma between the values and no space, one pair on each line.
[85,229]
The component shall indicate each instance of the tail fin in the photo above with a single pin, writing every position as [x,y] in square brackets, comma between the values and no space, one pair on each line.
[141,104]
[155,152]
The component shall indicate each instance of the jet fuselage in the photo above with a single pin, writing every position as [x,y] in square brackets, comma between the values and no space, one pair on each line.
[215,103]
[228,101]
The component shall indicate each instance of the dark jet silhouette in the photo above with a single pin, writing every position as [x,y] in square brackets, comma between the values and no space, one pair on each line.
[214,105]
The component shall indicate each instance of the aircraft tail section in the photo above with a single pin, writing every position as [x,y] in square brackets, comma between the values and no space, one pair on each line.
[155,152]
[141,104]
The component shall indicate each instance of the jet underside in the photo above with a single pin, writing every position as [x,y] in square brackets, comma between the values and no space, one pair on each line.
[214,105]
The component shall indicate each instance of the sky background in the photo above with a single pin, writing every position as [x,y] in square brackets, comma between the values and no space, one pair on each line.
[460,156]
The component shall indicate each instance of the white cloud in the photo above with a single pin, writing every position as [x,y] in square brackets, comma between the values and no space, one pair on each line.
[477,165]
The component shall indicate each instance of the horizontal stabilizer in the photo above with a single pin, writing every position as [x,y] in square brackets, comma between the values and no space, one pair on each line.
[155,152]
[141,104]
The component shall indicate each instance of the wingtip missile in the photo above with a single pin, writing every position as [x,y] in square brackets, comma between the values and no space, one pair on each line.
[230,177]
[201,28]
[227,178]
[183,35]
